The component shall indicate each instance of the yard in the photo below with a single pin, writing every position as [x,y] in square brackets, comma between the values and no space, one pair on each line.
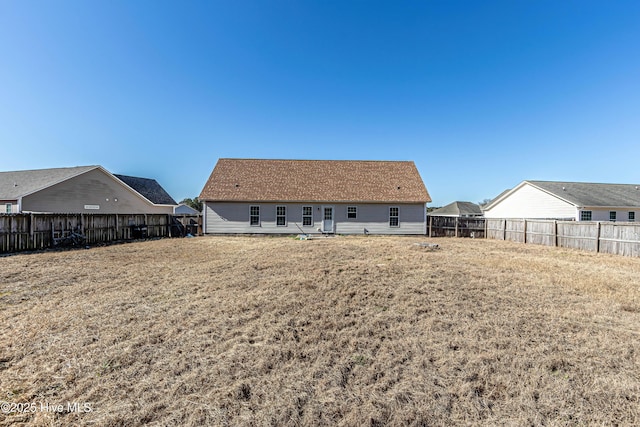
[344,331]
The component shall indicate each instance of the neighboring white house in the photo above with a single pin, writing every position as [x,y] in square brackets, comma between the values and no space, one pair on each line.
[309,196]
[81,189]
[579,201]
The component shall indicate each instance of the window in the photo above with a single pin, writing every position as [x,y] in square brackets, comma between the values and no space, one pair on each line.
[632,216]
[8,207]
[254,216]
[394,217]
[352,212]
[612,216]
[281,216]
[585,215]
[307,216]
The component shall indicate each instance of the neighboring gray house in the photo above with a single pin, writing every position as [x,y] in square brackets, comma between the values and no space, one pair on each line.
[183,209]
[81,189]
[458,209]
[579,201]
[310,196]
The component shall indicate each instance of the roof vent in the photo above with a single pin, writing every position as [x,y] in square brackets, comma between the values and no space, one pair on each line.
[237,185]
[564,189]
[636,187]
[15,184]
[398,187]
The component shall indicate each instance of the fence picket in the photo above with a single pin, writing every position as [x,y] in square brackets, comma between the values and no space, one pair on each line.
[33,231]
[618,238]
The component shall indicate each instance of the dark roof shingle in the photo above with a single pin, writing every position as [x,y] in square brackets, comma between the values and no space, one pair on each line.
[149,188]
[315,181]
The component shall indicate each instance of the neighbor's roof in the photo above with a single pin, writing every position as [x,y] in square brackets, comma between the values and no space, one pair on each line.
[583,194]
[185,209]
[458,209]
[149,188]
[315,181]
[16,184]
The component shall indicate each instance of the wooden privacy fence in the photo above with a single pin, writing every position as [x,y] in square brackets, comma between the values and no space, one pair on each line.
[619,238]
[450,226]
[23,232]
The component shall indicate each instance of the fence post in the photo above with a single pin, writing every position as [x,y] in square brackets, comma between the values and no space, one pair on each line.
[504,229]
[32,240]
[598,238]
[555,232]
[457,222]
[524,236]
[430,225]
[12,236]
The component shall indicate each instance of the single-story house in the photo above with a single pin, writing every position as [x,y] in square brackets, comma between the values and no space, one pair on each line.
[458,209]
[81,189]
[183,209]
[579,201]
[257,196]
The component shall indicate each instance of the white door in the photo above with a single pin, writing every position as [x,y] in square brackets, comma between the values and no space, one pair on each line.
[327,219]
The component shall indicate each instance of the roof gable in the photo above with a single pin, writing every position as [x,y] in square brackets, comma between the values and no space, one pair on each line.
[149,188]
[581,194]
[315,181]
[16,184]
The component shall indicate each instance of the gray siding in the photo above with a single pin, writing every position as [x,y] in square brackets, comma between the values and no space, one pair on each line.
[375,219]
[233,218]
[602,214]
[94,188]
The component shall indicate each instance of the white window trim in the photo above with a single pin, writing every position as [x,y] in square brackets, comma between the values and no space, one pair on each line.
[356,212]
[250,215]
[398,216]
[279,216]
[307,216]
[583,213]
[613,216]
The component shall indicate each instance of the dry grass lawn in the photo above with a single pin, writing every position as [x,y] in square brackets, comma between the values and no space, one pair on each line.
[345,331]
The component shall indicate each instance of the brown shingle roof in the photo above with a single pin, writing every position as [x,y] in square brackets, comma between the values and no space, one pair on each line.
[250,180]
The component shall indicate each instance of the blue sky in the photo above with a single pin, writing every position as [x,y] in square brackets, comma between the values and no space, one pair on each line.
[480,94]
